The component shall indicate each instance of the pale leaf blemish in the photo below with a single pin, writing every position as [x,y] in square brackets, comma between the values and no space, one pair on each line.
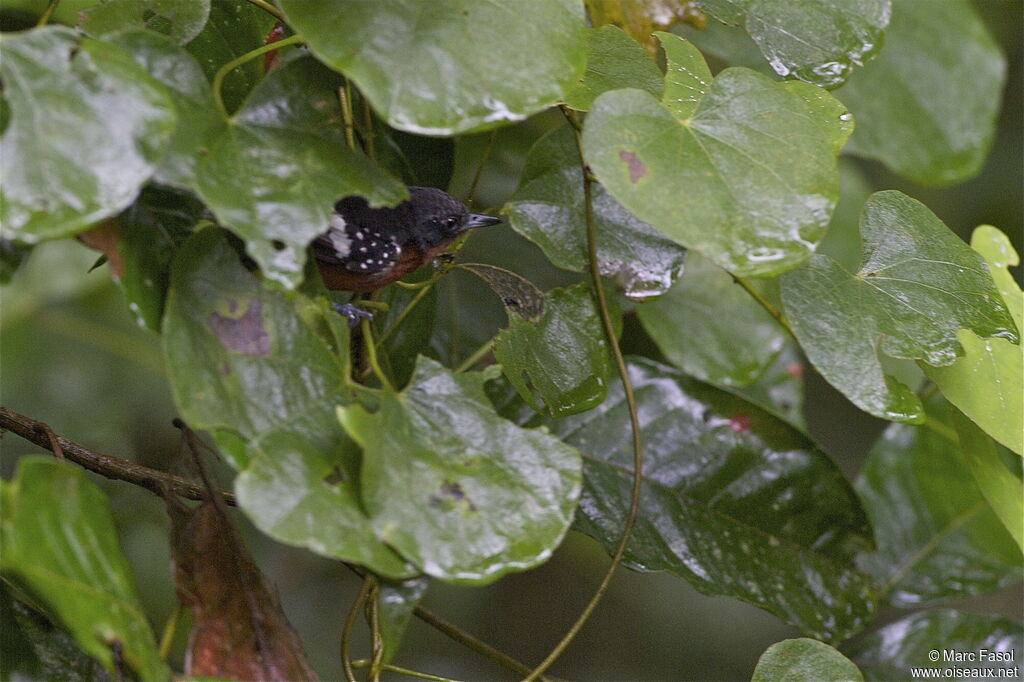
[244,334]
[637,168]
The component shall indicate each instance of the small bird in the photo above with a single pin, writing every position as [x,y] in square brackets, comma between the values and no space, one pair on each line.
[367,248]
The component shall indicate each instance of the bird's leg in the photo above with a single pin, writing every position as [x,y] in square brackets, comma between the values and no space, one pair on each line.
[351,312]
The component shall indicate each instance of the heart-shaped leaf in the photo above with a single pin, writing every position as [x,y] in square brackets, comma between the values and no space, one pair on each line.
[462,493]
[179,20]
[987,383]
[804,660]
[58,542]
[614,60]
[66,161]
[937,119]
[938,539]
[289,127]
[917,285]
[734,500]
[463,65]
[818,41]
[740,168]
[263,371]
[548,209]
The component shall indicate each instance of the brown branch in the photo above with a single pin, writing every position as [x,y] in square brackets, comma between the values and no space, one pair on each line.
[111,467]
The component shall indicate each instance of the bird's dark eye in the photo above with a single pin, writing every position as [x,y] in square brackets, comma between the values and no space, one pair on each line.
[450,222]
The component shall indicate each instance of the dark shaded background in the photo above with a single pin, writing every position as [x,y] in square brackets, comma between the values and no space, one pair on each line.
[72,356]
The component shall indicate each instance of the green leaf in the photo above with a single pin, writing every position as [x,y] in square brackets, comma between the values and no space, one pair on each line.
[748,179]
[151,230]
[917,285]
[199,122]
[614,60]
[987,383]
[263,370]
[818,41]
[289,127]
[711,328]
[548,209]
[780,390]
[59,544]
[1002,488]
[937,120]
[179,20]
[559,362]
[396,602]
[233,29]
[938,538]
[67,162]
[804,660]
[734,501]
[462,493]
[463,65]
[928,640]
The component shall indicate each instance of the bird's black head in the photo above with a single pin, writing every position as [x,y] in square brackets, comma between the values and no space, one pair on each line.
[439,217]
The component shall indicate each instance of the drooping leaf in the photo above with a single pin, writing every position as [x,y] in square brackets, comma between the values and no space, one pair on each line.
[930,640]
[1002,487]
[396,602]
[734,501]
[462,493]
[711,328]
[240,630]
[462,65]
[814,40]
[938,539]
[66,161]
[987,383]
[560,362]
[59,543]
[804,660]
[917,285]
[548,209]
[937,120]
[263,371]
[614,60]
[199,124]
[747,177]
[179,20]
[290,128]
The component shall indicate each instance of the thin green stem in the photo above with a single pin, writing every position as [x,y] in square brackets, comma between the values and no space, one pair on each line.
[371,355]
[765,303]
[368,133]
[269,9]
[424,290]
[478,355]
[218,78]
[480,168]
[350,623]
[365,663]
[376,639]
[634,419]
[171,627]
[44,18]
[347,120]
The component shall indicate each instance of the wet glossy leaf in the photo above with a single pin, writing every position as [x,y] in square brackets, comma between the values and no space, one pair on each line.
[780,390]
[804,660]
[59,544]
[462,66]
[199,124]
[937,537]
[614,60]
[66,162]
[735,501]
[290,127]
[987,383]
[641,18]
[396,602]
[935,124]
[233,29]
[263,370]
[818,41]
[748,178]
[548,209]
[560,362]
[462,493]
[1001,487]
[890,653]
[711,328]
[917,285]
[179,20]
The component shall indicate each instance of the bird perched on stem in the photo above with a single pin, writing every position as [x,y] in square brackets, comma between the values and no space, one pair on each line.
[367,248]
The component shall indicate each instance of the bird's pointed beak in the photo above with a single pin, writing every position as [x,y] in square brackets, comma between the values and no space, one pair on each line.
[480,220]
